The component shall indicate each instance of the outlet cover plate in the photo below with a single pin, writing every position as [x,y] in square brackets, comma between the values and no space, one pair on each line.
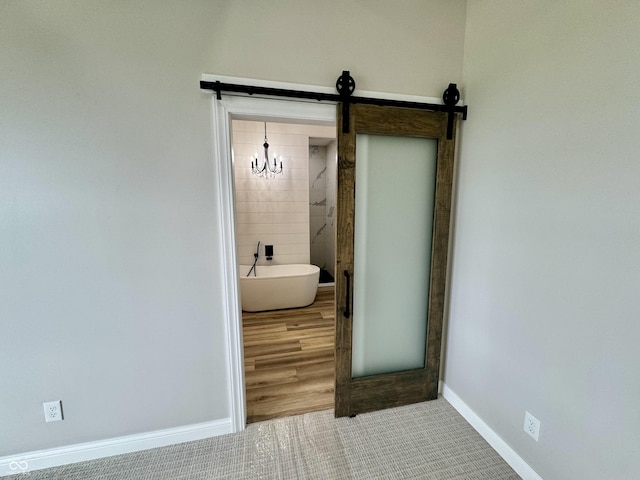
[52,411]
[531,426]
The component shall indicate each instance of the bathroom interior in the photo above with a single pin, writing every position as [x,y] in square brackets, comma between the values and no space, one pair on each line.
[285,222]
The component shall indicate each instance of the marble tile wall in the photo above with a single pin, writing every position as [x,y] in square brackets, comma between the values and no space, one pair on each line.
[322,198]
[318,204]
[331,179]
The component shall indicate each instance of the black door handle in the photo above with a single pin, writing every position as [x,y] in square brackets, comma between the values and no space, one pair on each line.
[347,313]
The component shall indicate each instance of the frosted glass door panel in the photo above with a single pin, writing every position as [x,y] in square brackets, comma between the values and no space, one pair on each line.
[395,187]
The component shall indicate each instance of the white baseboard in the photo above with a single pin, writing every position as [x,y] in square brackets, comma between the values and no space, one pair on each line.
[54,457]
[133,443]
[514,460]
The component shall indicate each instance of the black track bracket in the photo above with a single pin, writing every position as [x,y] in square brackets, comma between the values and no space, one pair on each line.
[345,85]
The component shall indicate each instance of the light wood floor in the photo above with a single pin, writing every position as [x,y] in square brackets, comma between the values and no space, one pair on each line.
[289,359]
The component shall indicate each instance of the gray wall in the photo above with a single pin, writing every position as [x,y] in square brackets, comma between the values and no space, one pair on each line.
[109,232]
[544,307]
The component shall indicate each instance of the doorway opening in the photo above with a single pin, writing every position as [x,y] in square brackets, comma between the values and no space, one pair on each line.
[286,219]
[298,111]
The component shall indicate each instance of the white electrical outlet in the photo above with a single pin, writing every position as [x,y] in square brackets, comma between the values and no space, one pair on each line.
[531,426]
[52,411]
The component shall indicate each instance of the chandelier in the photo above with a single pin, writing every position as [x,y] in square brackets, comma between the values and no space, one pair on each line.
[264,169]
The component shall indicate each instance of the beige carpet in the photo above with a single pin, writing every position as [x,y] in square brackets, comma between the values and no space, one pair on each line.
[427,440]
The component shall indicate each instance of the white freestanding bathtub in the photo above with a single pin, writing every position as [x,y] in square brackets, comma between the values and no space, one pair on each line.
[278,286]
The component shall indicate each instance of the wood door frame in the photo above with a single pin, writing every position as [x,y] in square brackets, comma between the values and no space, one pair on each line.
[394,389]
[244,106]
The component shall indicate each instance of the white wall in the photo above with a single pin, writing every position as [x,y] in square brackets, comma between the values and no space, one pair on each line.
[109,234]
[545,278]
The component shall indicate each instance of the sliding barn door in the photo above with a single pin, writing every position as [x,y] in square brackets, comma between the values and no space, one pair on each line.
[395,169]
